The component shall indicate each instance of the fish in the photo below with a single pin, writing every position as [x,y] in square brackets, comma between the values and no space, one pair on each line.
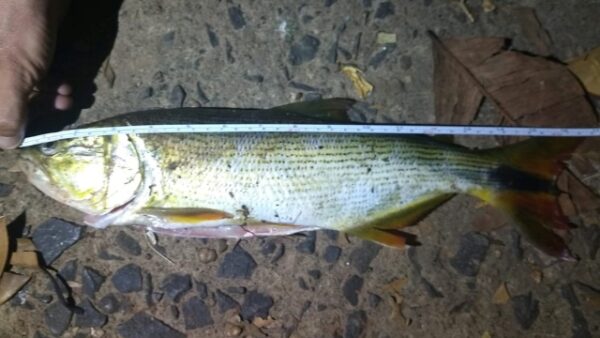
[239,185]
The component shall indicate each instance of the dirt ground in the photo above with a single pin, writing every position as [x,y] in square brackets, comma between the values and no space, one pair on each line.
[261,54]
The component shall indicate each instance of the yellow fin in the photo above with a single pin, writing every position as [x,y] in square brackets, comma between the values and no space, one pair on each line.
[188,215]
[392,238]
[410,213]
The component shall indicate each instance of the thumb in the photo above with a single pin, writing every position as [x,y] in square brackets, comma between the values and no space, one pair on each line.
[14,96]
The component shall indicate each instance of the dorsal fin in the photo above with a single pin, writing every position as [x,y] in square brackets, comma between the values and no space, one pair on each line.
[327,110]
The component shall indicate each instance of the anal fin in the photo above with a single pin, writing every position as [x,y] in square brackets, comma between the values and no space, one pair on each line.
[187,215]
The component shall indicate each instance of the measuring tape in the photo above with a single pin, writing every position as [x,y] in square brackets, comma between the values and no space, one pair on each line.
[311,128]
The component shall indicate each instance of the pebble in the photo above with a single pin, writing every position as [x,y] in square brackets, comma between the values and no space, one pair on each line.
[54,236]
[206,255]
[57,318]
[142,325]
[381,54]
[373,299]
[315,274]
[177,96]
[236,16]
[128,244]
[69,271]
[515,244]
[174,311]
[196,314]
[146,93]
[268,247]
[361,257]
[5,189]
[331,234]
[201,289]
[128,278]
[212,36]
[256,305]
[302,284]
[328,3]
[240,290]
[232,330]
[109,304]
[351,289]
[237,264]
[355,324]
[302,86]
[229,52]
[384,10]
[279,252]
[37,334]
[107,256]
[168,39]
[308,245]
[176,285]
[471,252]
[254,78]
[148,289]
[91,281]
[332,253]
[526,310]
[90,317]
[225,302]
[304,50]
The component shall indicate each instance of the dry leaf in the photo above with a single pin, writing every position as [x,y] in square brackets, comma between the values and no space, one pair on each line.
[24,259]
[501,296]
[386,38]
[587,70]
[395,286]
[533,31]
[361,85]
[486,334]
[488,6]
[3,245]
[263,322]
[10,284]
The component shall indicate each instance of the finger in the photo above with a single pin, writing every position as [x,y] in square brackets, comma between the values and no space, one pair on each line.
[13,110]
[63,102]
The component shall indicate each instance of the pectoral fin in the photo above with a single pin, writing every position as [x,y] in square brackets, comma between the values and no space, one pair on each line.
[187,215]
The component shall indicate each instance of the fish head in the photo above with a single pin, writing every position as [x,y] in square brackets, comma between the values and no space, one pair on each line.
[92,174]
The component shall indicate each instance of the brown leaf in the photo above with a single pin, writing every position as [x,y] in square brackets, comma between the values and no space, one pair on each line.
[532,30]
[501,296]
[11,283]
[3,245]
[525,90]
[24,259]
[587,69]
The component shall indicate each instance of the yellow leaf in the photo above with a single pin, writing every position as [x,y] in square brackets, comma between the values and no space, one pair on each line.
[361,85]
[385,38]
[587,69]
[501,296]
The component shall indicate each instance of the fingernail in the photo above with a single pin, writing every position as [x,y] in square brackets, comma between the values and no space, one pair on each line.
[11,142]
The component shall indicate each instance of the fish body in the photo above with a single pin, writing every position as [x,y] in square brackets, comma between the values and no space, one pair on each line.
[248,184]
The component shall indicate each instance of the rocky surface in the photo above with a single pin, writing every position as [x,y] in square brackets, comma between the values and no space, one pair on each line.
[324,284]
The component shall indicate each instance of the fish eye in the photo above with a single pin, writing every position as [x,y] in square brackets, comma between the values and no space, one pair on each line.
[48,148]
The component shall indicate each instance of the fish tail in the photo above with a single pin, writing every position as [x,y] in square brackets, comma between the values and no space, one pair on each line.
[524,186]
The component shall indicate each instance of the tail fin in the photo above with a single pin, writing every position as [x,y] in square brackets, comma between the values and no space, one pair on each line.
[524,187]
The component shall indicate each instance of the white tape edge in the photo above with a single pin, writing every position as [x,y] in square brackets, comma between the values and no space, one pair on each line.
[311,128]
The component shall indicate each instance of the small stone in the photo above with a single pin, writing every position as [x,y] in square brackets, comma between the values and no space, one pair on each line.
[57,318]
[526,310]
[69,270]
[54,236]
[232,330]
[109,304]
[196,314]
[107,256]
[331,234]
[168,39]
[128,278]
[254,78]
[380,56]
[5,189]
[304,50]
[268,247]
[176,285]
[229,52]
[142,325]
[384,10]
[515,245]
[201,289]
[302,86]
[90,317]
[201,95]
[471,252]
[239,290]
[361,257]
[174,311]
[38,334]
[146,93]
[351,289]
[328,3]
[225,302]
[315,274]
[355,324]
[236,16]
[332,253]
[212,36]
[279,252]
[148,289]
[302,284]
[373,299]
[91,281]
[256,305]
[177,96]
[237,264]
[308,245]
[128,244]
[206,255]
[159,77]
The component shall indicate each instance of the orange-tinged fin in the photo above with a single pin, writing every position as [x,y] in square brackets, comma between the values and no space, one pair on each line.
[188,216]
[388,237]
[524,187]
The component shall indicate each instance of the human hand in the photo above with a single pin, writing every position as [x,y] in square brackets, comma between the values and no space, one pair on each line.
[28,31]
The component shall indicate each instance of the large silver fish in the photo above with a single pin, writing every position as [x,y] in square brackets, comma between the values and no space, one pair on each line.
[240,185]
